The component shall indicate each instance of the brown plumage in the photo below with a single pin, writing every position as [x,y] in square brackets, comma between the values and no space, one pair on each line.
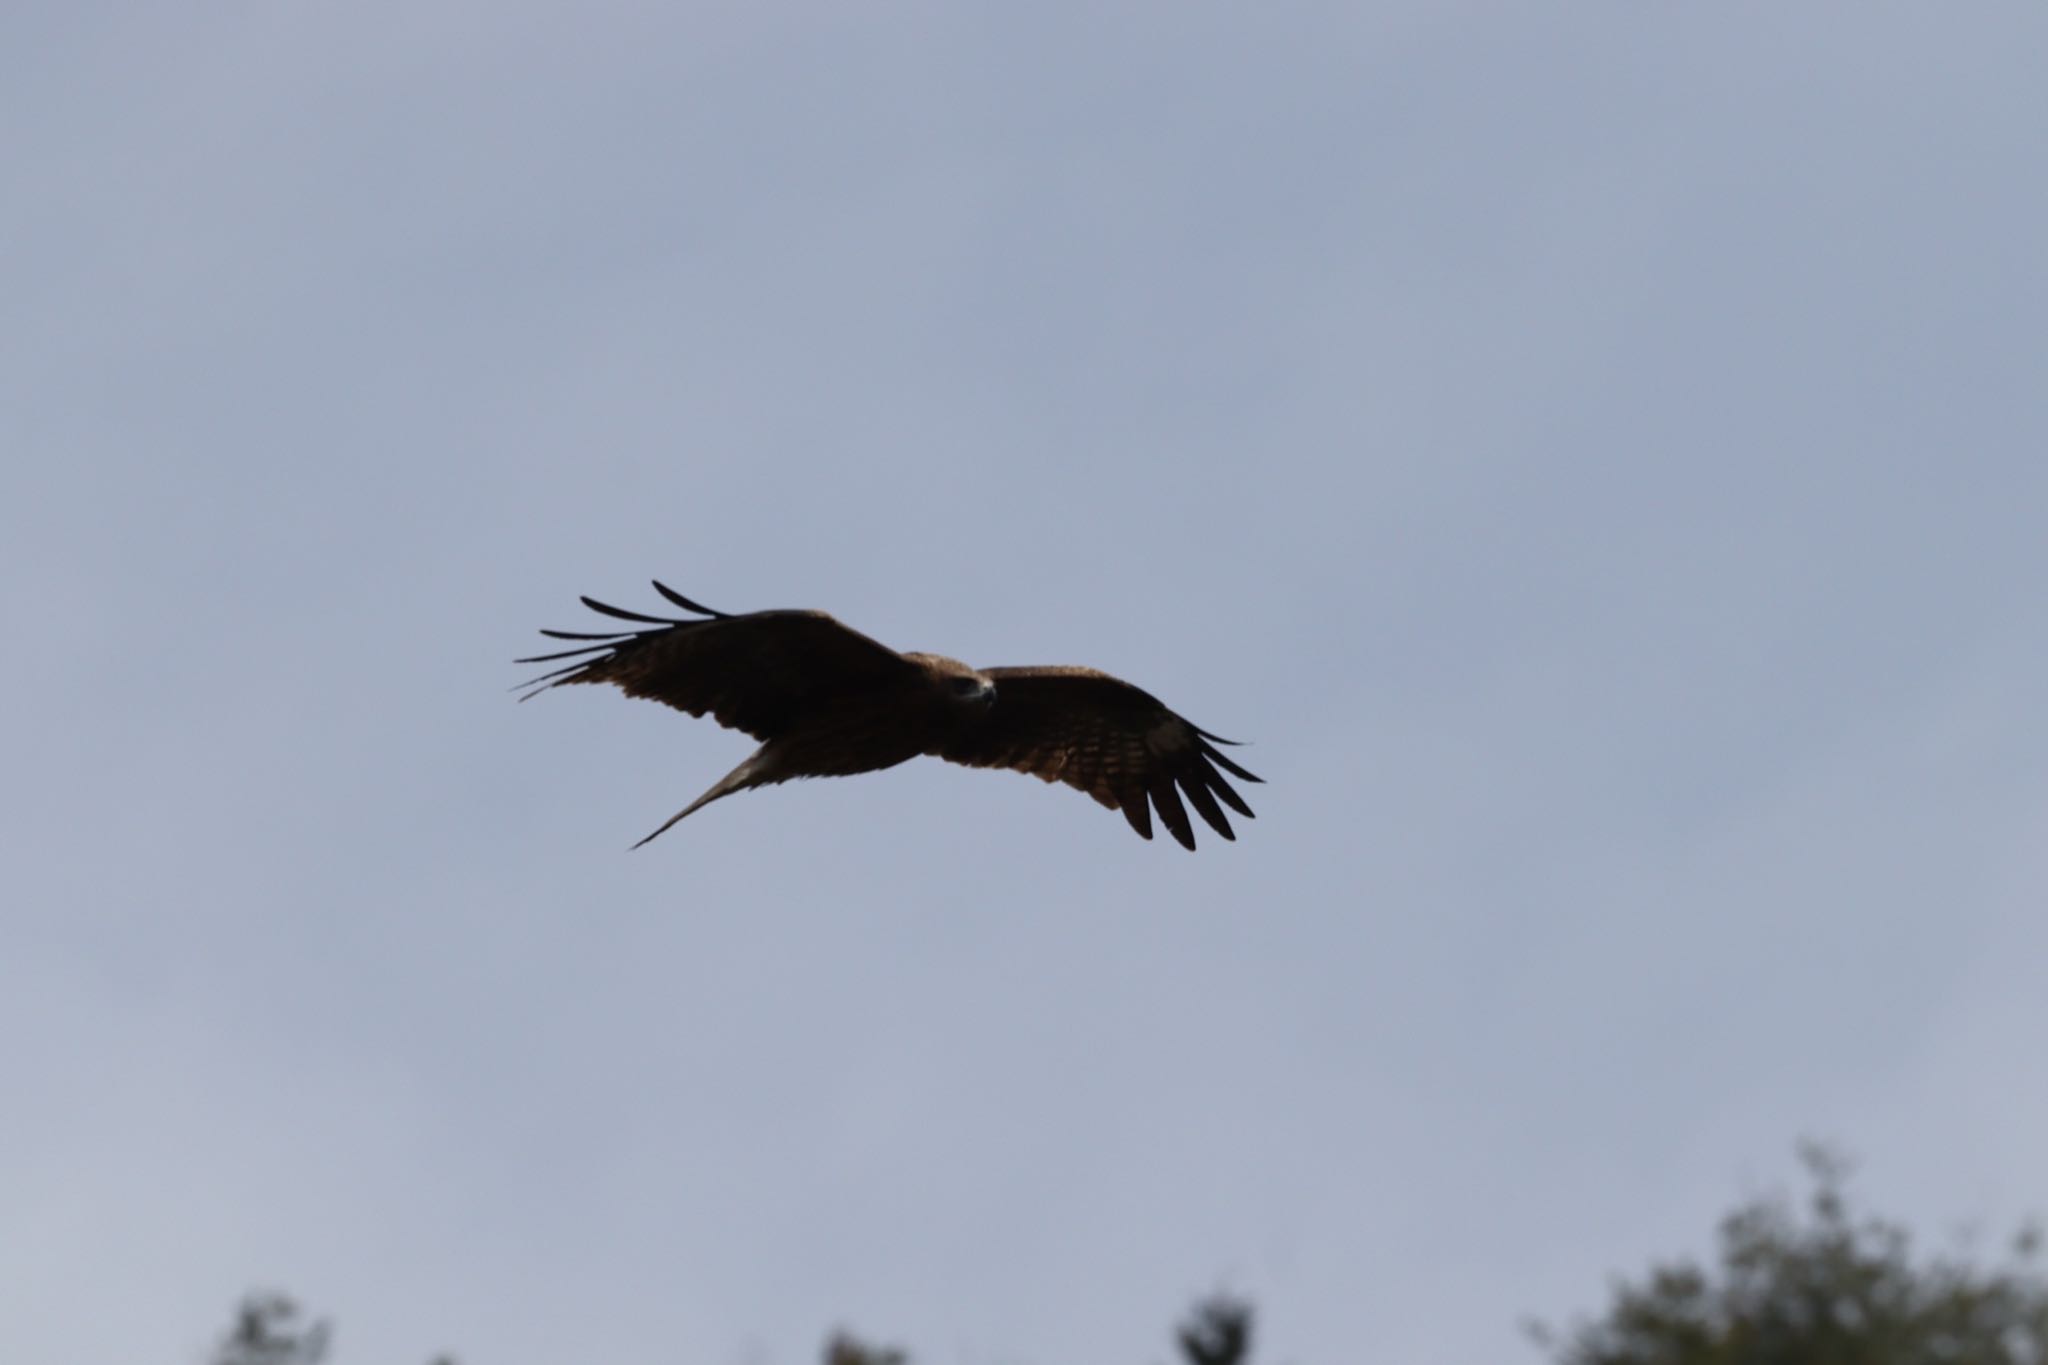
[827,701]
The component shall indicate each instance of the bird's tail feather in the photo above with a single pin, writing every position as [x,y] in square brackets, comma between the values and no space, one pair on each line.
[751,773]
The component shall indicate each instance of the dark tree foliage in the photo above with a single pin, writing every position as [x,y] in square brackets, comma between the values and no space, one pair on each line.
[1819,1286]
[843,1349]
[1811,1283]
[270,1330]
[1217,1332]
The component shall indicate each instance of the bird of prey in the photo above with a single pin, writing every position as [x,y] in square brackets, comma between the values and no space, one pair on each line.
[827,701]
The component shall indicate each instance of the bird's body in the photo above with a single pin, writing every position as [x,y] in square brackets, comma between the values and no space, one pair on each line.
[827,701]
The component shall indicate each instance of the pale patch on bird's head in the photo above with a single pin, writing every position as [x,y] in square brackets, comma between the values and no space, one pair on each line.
[956,681]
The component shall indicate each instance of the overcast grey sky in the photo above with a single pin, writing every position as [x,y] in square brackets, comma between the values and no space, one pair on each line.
[1595,452]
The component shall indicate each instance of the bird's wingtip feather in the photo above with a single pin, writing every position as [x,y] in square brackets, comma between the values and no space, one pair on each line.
[685,603]
[622,614]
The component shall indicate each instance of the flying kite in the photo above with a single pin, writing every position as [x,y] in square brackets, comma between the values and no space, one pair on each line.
[827,701]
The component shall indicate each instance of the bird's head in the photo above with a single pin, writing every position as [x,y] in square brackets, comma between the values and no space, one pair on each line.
[959,684]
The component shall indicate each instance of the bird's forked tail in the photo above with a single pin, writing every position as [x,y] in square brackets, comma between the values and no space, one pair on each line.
[755,772]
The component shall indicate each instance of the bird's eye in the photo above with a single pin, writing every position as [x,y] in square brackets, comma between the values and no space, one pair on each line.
[965,685]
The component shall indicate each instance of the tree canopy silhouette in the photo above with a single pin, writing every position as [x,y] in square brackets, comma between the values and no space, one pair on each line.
[1812,1282]
[1820,1285]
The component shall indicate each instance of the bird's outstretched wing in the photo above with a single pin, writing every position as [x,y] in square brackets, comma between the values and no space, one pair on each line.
[1116,742]
[757,672]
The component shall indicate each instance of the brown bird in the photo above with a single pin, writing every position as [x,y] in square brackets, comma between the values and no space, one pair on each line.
[827,701]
